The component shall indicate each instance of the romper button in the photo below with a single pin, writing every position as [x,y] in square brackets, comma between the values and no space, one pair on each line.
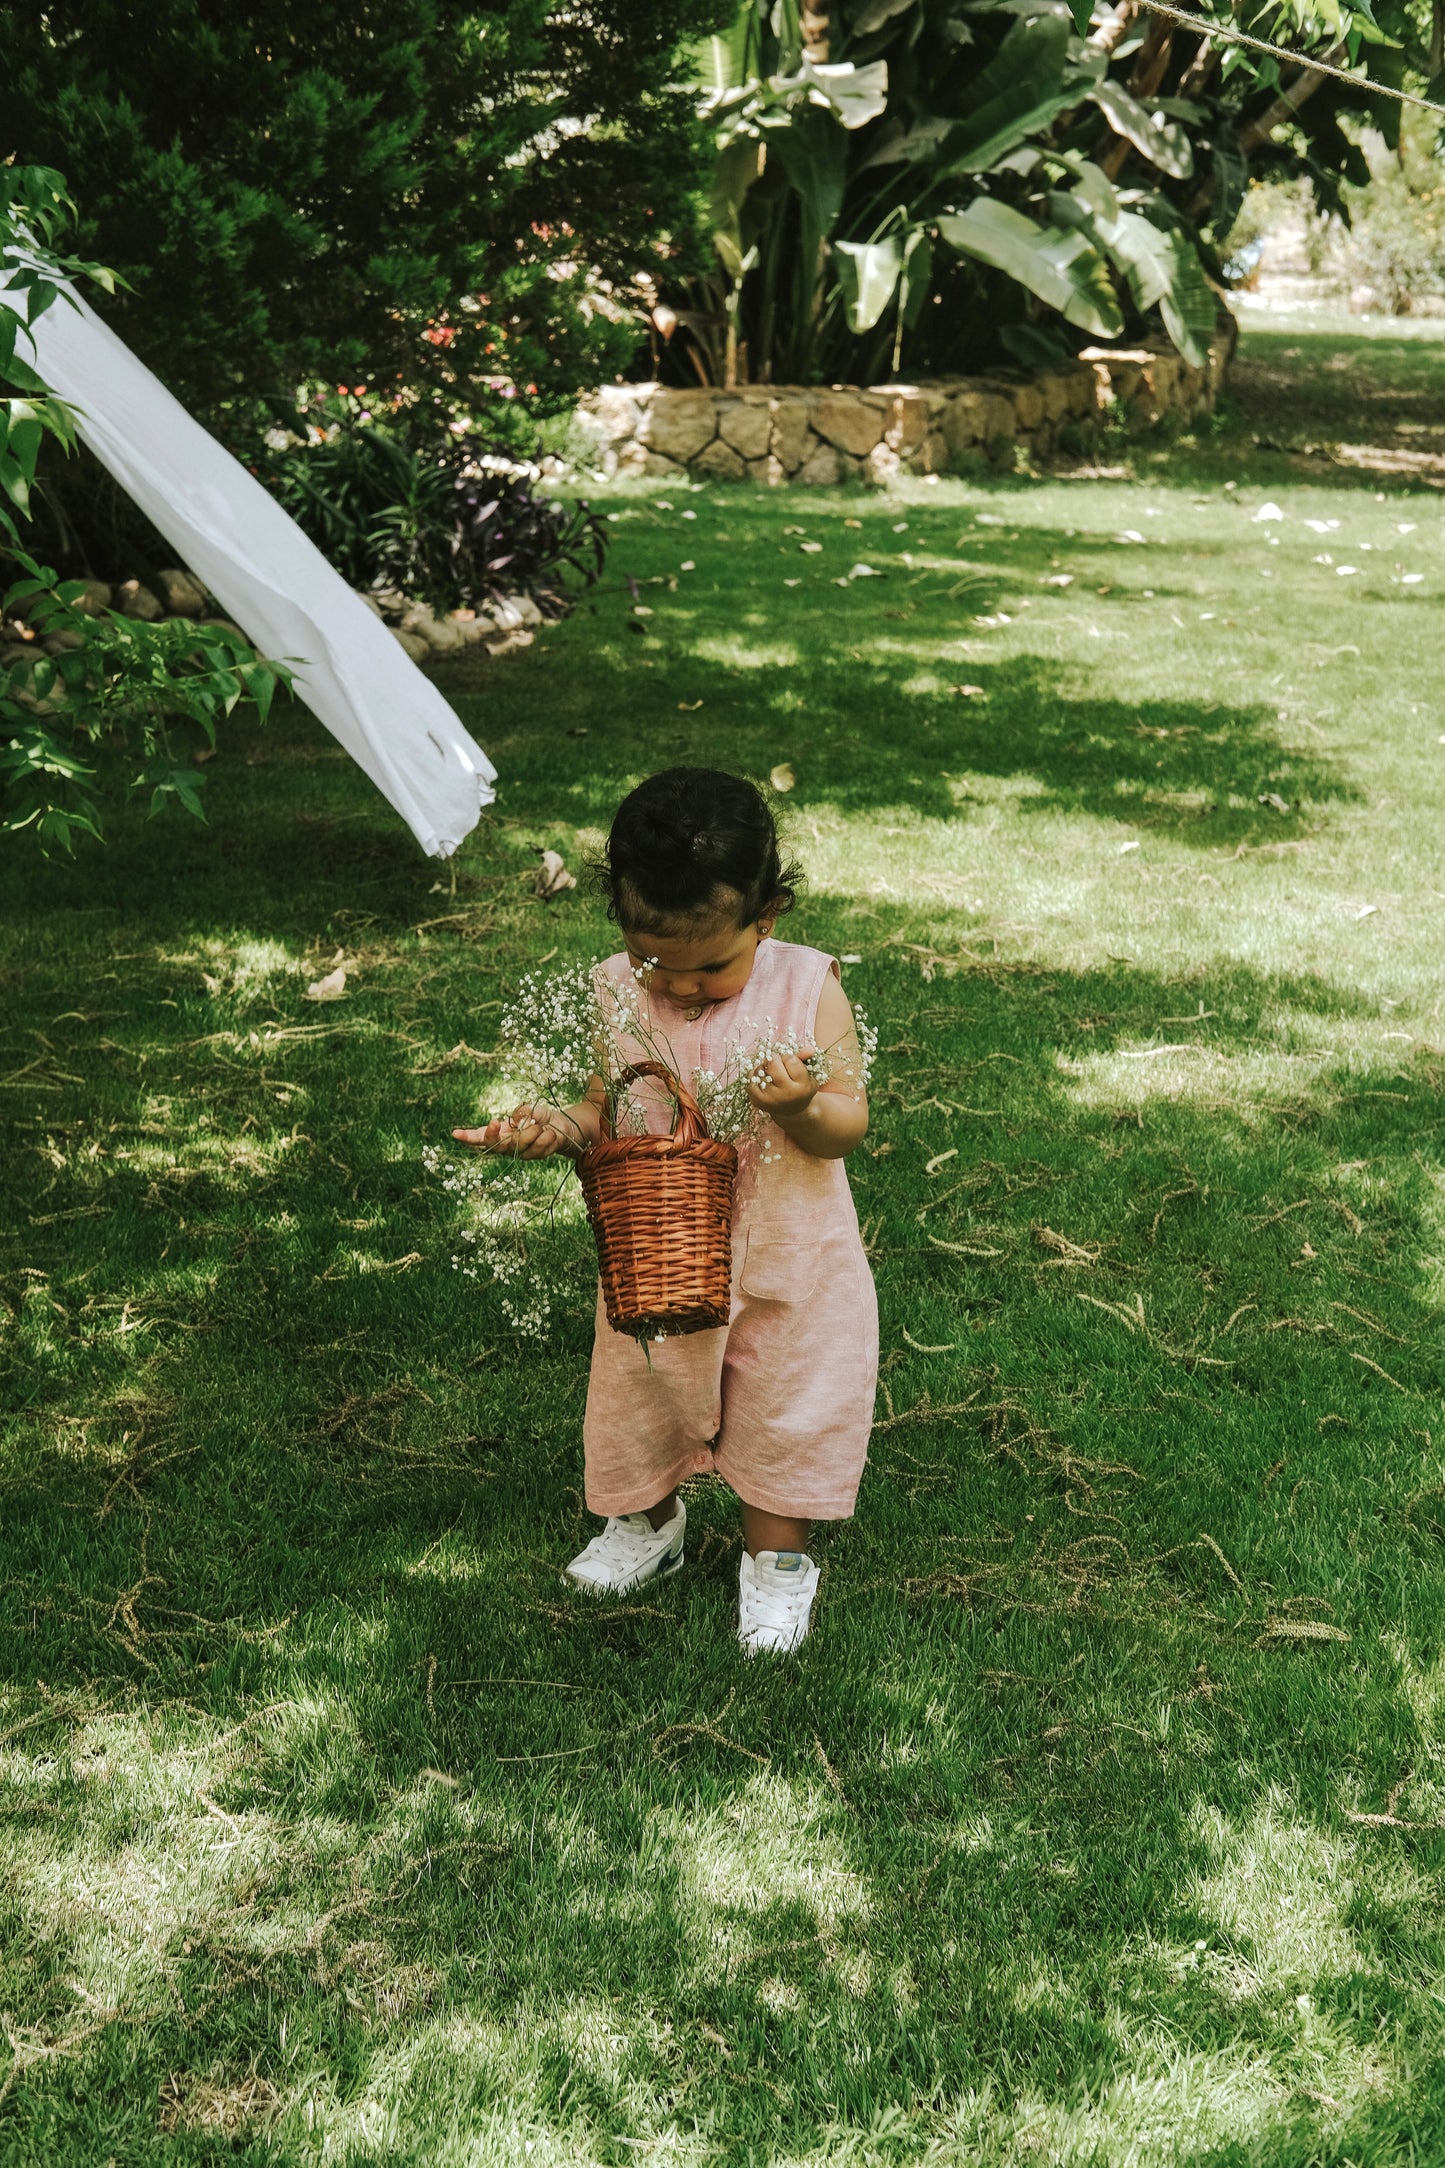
[692,1015]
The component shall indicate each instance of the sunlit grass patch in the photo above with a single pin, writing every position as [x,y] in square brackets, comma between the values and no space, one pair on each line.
[1098,1821]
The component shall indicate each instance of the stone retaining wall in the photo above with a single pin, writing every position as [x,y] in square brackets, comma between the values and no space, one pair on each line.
[837,433]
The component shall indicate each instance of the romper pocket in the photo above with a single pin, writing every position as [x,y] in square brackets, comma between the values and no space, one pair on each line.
[779,1269]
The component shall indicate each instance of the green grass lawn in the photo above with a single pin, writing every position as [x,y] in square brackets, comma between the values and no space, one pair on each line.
[1103,1817]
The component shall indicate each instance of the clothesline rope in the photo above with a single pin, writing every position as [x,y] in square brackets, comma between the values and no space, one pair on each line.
[1208,29]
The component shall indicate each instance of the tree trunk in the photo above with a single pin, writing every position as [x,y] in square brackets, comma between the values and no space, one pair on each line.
[1110,34]
[1256,133]
[1200,68]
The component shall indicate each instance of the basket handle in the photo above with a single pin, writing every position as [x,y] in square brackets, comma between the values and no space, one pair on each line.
[691,1125]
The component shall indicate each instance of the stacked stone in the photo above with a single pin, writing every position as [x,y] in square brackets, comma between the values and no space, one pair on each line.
[504,623]
[837,433]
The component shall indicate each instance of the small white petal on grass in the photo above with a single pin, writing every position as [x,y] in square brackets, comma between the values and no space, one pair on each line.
[331,988]
[1411,579]
[689,515]
[792,583]
[1268,511]
[866,572]
[795,530]
[663,504]
[1272,797]
[1205,615]
[1324,558]
[987,519]
[782,777]
[1123,847]
[1406,526]
[850,959]
[1346,572]
[1130,534]
[976,692]
[1057,579]
[687,565]
[1368,910]
[810,549]
[1322,526]
[900,526]
[688,707]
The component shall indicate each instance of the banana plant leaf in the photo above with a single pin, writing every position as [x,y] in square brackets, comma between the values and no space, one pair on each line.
[917,279]
[1162,268]
[1165,146]
[857,95]
[1063,269]
[1190,308]
[1092,185]
[868,273]
[873,14]
[1144,255]
[1027,83]
[722,61]
[813,152]
[737,168]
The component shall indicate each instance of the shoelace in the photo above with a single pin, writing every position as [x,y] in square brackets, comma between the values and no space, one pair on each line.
[784,1606]
[617,1535]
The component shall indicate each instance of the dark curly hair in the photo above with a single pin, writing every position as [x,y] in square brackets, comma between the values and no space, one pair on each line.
[690,843]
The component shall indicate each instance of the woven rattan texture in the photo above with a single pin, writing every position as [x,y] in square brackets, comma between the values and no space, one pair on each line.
[662,1216]
[661,1213]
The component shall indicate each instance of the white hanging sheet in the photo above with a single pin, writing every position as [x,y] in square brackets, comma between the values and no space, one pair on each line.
[275,584]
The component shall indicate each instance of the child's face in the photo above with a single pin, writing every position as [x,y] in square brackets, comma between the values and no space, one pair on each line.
[710,965]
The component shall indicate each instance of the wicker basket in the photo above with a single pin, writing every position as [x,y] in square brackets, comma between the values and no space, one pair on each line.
[661,1210]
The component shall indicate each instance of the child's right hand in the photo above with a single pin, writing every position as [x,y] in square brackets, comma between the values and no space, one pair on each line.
[528,1132]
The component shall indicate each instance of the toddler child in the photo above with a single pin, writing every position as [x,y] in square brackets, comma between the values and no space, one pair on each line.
[780,1399]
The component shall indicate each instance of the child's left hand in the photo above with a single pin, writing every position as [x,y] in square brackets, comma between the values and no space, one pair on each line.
[785,1088]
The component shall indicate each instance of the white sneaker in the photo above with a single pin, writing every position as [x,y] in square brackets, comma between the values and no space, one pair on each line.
[629,1552]
[775,1600]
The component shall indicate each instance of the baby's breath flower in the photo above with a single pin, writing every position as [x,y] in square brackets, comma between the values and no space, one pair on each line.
[559,1034]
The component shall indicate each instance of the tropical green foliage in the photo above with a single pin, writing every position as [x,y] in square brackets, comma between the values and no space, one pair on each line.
[921,184]
[404,505]
[70,680]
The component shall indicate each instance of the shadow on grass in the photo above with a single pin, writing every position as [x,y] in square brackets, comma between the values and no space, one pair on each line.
[1047,1832]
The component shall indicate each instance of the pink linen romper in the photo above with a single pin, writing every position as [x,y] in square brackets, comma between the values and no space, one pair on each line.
[780,1399]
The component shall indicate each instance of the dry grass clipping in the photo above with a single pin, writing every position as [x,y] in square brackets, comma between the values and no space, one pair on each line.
[192,2103]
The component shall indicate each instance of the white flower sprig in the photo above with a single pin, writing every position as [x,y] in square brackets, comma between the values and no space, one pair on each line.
[518,1239]
[558,1035]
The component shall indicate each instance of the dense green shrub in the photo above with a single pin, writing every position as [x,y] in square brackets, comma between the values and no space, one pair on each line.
[1397,220]
[438,516]
[422,193]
